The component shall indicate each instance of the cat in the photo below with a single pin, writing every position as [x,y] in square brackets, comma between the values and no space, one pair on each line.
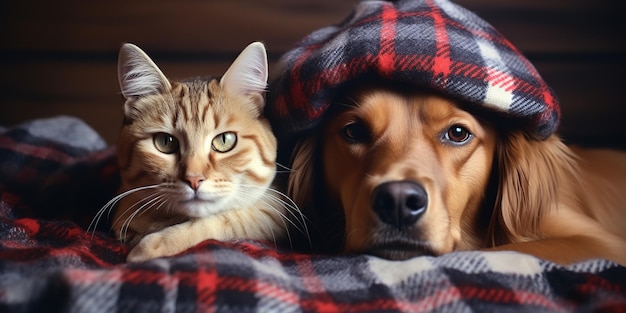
[196,157]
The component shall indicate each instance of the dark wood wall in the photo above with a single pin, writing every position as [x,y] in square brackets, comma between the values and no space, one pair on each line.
[59,57]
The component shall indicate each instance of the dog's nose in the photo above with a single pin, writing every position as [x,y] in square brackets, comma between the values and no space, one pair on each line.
[399,203]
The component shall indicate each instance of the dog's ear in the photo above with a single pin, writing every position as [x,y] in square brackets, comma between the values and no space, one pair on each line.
[301,180]
[531,172]
[300,188]
[306,189]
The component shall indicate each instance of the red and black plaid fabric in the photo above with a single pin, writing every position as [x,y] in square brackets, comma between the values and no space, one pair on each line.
[429,43]
[55,265]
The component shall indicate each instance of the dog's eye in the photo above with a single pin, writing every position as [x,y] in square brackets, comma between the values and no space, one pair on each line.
[458,134]
[355,132]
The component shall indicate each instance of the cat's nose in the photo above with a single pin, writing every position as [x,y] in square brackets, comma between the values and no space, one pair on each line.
[194,181]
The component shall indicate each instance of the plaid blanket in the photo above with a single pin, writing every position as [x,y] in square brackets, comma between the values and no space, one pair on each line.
[56,173]
[434,44]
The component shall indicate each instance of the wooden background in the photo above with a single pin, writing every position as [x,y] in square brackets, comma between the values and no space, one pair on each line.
[59,57]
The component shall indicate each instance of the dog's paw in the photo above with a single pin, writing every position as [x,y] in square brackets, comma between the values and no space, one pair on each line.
[149,247]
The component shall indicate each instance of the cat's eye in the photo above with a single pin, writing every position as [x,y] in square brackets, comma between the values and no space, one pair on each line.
[165,143]
[355,132]
[224,142]
[458,134]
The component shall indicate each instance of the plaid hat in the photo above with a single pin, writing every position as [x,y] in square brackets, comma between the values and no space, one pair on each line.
[429,43]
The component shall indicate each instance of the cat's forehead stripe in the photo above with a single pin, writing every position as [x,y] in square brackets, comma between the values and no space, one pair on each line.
[216,119]
[197,89]
[180,101]
[205,110]
[195,98]
[175,119]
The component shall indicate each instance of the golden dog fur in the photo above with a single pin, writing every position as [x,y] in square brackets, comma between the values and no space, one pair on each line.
[497,189]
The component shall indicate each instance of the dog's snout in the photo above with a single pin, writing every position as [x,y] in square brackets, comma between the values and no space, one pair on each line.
[399,203]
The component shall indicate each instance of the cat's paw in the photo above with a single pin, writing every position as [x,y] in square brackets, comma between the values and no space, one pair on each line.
[149,247]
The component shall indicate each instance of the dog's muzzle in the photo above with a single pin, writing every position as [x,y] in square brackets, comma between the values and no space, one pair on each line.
[399,203]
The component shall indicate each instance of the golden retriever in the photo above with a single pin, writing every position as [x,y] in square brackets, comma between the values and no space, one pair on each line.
[399,173]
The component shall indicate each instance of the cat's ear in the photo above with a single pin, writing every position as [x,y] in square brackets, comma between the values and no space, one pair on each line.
[137,74]
[248,73]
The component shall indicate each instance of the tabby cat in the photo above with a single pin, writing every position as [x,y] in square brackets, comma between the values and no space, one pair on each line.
[197,158]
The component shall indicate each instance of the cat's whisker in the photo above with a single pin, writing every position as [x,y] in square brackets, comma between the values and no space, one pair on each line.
[291,207]
[285,220]
[149,204]
[285,168]
[110,205]
[107,207]
[270,203]
[166,201]
[355,104]
[155,204]
[142,209]
[124,227]
[132,207]
[270,219]
[291,204]
[268,222]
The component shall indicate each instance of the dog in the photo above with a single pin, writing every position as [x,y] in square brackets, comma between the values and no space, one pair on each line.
[399,173]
